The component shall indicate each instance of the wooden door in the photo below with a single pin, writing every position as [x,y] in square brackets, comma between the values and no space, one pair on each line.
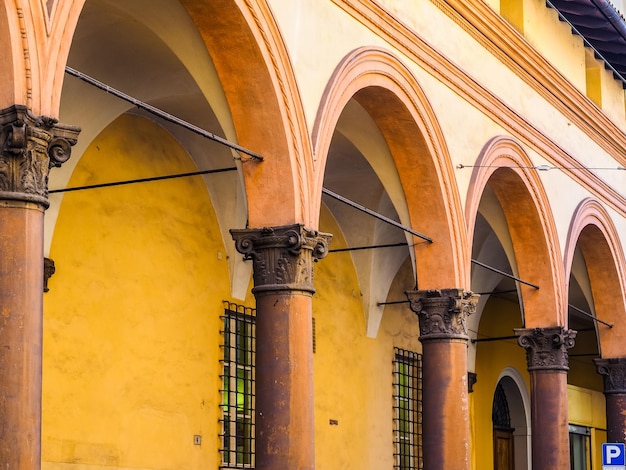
[503,449]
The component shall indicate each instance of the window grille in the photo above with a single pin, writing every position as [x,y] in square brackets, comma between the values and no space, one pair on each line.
[238,392]
[407,410]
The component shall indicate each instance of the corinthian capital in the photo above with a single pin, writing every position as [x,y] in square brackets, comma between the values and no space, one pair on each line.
[614,372]
[546,348]
[282,256]
[29,147]
[442,313]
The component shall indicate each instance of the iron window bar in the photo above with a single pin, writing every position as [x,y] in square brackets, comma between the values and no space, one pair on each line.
[407,410]
[160,113]
[237,435]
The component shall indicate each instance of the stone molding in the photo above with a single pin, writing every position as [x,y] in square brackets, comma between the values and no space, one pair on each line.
[29,147]
[546,348]
[442,313]
[282,256]
[613,371]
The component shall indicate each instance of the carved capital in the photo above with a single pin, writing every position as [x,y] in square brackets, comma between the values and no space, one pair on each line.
[613,371]
[29,147]
[442,313]
[546,348]
[282,257]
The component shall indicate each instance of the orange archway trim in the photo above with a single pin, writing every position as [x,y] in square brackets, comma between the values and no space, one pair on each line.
[592,231]
[391,94]
[504,165]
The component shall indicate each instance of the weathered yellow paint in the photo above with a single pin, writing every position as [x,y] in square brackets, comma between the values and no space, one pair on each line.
[132,319]
[353,373]
[498,319]
[586,405]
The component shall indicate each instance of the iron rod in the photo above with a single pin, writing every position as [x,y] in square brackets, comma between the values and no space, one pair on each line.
[353,204]
[394,302]
[587,314]
[141,180]
[370,247]
[497,338]
[159,112]
[510,276]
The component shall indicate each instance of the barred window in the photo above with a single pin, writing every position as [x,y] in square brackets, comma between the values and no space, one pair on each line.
[238,348]
[407,410]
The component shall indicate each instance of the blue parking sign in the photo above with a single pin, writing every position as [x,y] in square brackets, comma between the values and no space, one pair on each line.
[613,456]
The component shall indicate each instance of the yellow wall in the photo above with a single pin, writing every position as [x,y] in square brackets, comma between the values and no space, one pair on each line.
[587,408]
[131,332]
[585,400]
[353,373]
[492,357]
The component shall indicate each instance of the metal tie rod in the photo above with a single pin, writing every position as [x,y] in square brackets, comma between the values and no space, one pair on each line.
[587,314]
[510,276]
[158,112]
[353,204]
[142,180]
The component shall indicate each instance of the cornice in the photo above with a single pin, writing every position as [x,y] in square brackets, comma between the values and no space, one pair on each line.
[494,33]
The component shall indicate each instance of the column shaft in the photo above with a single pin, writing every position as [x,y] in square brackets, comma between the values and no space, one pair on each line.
[21,281]
[283,285]
[284,383]
[613,371]
[547,358]
[616,417]
[442,315]
[446,436]
[550,432]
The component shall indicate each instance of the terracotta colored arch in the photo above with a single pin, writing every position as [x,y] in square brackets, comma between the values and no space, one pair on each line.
[391,95]
[13,63]
[36,37]
[505,167]
[254,69]
[593,232]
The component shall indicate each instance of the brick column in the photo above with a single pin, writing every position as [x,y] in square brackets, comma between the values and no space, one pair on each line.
[29,147]
[547,358]
[614,372]
[443,334]
[283,286]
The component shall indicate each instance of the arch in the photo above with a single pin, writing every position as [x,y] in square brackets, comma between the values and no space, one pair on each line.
[12,61]
[519,408]
[36,42]
[388,91]
[268,116]
[504,166]
[592,231]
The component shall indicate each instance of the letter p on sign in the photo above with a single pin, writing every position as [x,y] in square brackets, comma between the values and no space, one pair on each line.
[613,456]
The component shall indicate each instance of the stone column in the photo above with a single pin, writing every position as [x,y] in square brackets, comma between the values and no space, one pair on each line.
[283,286]
[546,355]
[443,334]
[29,147]
[614,372]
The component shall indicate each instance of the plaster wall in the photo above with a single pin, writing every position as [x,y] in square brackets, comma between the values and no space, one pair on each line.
[132,318]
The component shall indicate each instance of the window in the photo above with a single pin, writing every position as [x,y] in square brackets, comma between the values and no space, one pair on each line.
[407,410]
[238,348]
[580,447]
